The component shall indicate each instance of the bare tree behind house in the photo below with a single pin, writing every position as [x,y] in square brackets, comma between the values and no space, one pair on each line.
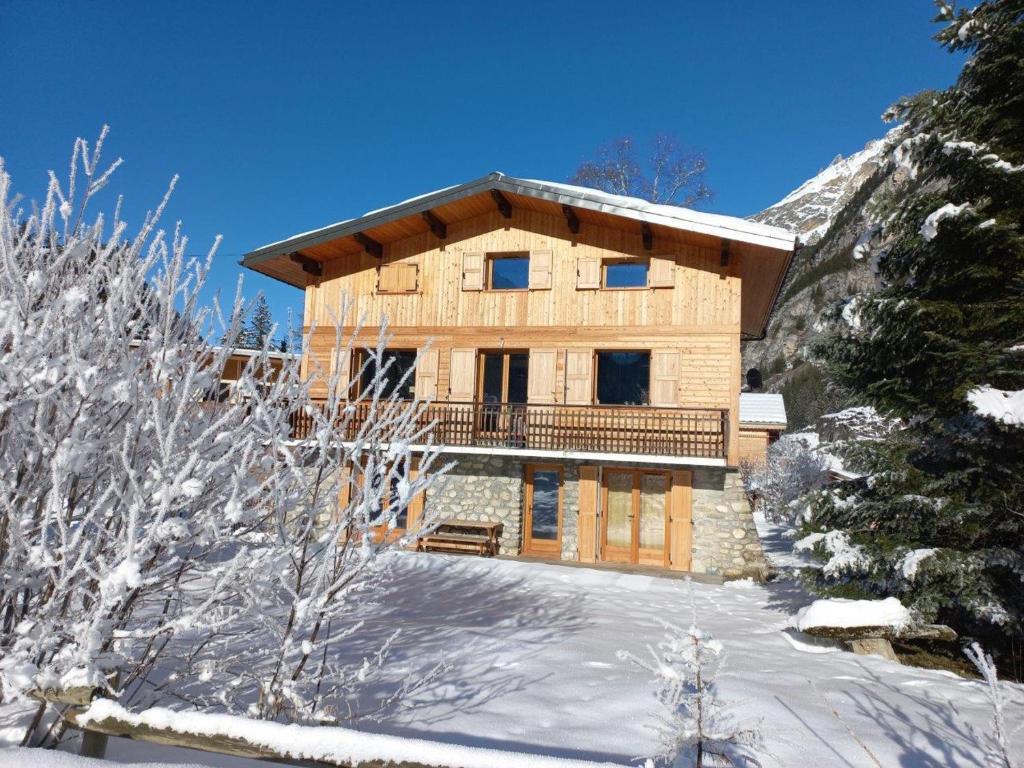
[670,173]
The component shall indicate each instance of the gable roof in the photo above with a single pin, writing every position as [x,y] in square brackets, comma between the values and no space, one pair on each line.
[762,409]
[716,225]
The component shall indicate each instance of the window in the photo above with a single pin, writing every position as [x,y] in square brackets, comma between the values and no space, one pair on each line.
[395,363]
[623,378]
[399,277]
[508,271]
[625,274]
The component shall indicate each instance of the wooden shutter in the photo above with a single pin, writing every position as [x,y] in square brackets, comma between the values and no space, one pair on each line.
[586,523]
[341,361]
[541,376]
[426,375]
[680,528]
[387,278]
[473,271]
[408,277]
[397,278]
[662,272]
[579,387]
[588,272]
[462,376]
[540,270]
[665,377]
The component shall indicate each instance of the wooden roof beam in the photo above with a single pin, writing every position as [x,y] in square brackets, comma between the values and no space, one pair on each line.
[309,266]
[502,202]
[645,230]
[370,245]
[438,227]
[571,219]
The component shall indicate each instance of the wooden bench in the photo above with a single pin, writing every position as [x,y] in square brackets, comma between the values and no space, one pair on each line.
[461,536]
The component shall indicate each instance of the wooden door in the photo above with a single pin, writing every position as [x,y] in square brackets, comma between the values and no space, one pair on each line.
[634,520]
[542,523]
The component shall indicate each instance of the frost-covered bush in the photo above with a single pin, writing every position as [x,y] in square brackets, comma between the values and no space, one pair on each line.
[154,544]
[792,470]
[697,728]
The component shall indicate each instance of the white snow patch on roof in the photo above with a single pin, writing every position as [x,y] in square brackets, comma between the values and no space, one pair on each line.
[999,404]
[842,613]
[762,408]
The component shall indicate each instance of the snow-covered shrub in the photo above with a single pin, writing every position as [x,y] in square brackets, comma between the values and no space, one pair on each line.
[698,729]
[154,543]
[999,748]
[791,470]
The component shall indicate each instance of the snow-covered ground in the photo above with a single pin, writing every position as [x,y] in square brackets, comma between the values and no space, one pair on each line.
[534,669]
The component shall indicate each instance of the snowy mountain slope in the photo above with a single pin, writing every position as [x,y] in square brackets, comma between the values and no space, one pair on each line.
[830,212]
[810,208]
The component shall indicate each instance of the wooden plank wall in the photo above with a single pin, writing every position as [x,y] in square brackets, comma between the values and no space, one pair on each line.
[699,317]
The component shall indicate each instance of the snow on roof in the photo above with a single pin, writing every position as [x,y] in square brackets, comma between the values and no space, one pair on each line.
[762,408]
[717,225]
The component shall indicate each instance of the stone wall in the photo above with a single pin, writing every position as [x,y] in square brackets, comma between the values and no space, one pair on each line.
[481,488]
[725,541]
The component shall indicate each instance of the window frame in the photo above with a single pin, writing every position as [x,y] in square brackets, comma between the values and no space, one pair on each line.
[362,358]
[493,256]
[645,263]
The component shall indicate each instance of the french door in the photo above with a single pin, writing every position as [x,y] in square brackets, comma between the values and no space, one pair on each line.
[502,389]
[542,523]
[634,527]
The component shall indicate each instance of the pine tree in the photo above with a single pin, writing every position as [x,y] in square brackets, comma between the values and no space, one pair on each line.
[261,324]
[939,520]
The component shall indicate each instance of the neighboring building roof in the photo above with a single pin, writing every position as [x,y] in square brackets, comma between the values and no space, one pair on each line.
[762,409]
[243,352]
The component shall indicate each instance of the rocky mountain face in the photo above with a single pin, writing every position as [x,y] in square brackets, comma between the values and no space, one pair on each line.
[833,215]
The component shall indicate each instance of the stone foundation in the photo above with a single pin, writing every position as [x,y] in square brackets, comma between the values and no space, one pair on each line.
[481,488]
[490,488]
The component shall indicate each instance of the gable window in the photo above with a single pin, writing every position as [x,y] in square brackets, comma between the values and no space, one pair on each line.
[395,363]
[508,271]
[623,378]
[625,274]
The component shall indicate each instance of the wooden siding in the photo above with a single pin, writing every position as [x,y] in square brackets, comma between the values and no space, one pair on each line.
[692,328]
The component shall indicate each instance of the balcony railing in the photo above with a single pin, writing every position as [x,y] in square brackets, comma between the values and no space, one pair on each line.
[690,432]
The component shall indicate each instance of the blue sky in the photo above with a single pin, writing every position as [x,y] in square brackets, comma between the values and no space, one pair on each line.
[282,117]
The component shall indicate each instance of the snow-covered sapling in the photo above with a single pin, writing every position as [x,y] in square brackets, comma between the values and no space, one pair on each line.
[697,729]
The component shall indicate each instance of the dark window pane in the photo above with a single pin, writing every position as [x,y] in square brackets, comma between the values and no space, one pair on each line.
[510,273]
[625,274]
[623,377]
[518,365]
[395,363]
[545,506]
[493,372]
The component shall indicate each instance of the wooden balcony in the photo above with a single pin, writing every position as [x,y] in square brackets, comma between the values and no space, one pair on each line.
[676,432]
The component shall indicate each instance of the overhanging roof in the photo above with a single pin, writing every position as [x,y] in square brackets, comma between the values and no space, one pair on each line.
[764,250]
[716,225]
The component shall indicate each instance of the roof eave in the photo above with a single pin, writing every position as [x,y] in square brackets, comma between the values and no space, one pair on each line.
[514,186]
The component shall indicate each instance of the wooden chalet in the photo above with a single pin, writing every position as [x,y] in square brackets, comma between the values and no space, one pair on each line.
[583,364]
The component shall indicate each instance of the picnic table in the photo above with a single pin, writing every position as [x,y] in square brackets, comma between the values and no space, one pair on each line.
[463,536]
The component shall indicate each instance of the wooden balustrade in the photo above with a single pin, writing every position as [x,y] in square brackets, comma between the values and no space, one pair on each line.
[692,432]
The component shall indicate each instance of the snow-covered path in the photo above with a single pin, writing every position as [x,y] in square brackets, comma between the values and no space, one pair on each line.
[534,669]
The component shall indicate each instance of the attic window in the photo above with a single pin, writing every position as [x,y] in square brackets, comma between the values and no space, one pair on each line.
[625,274]
[508,271]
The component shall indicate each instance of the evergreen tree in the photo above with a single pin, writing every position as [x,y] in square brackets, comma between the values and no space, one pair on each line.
[261,324]
[939,519]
